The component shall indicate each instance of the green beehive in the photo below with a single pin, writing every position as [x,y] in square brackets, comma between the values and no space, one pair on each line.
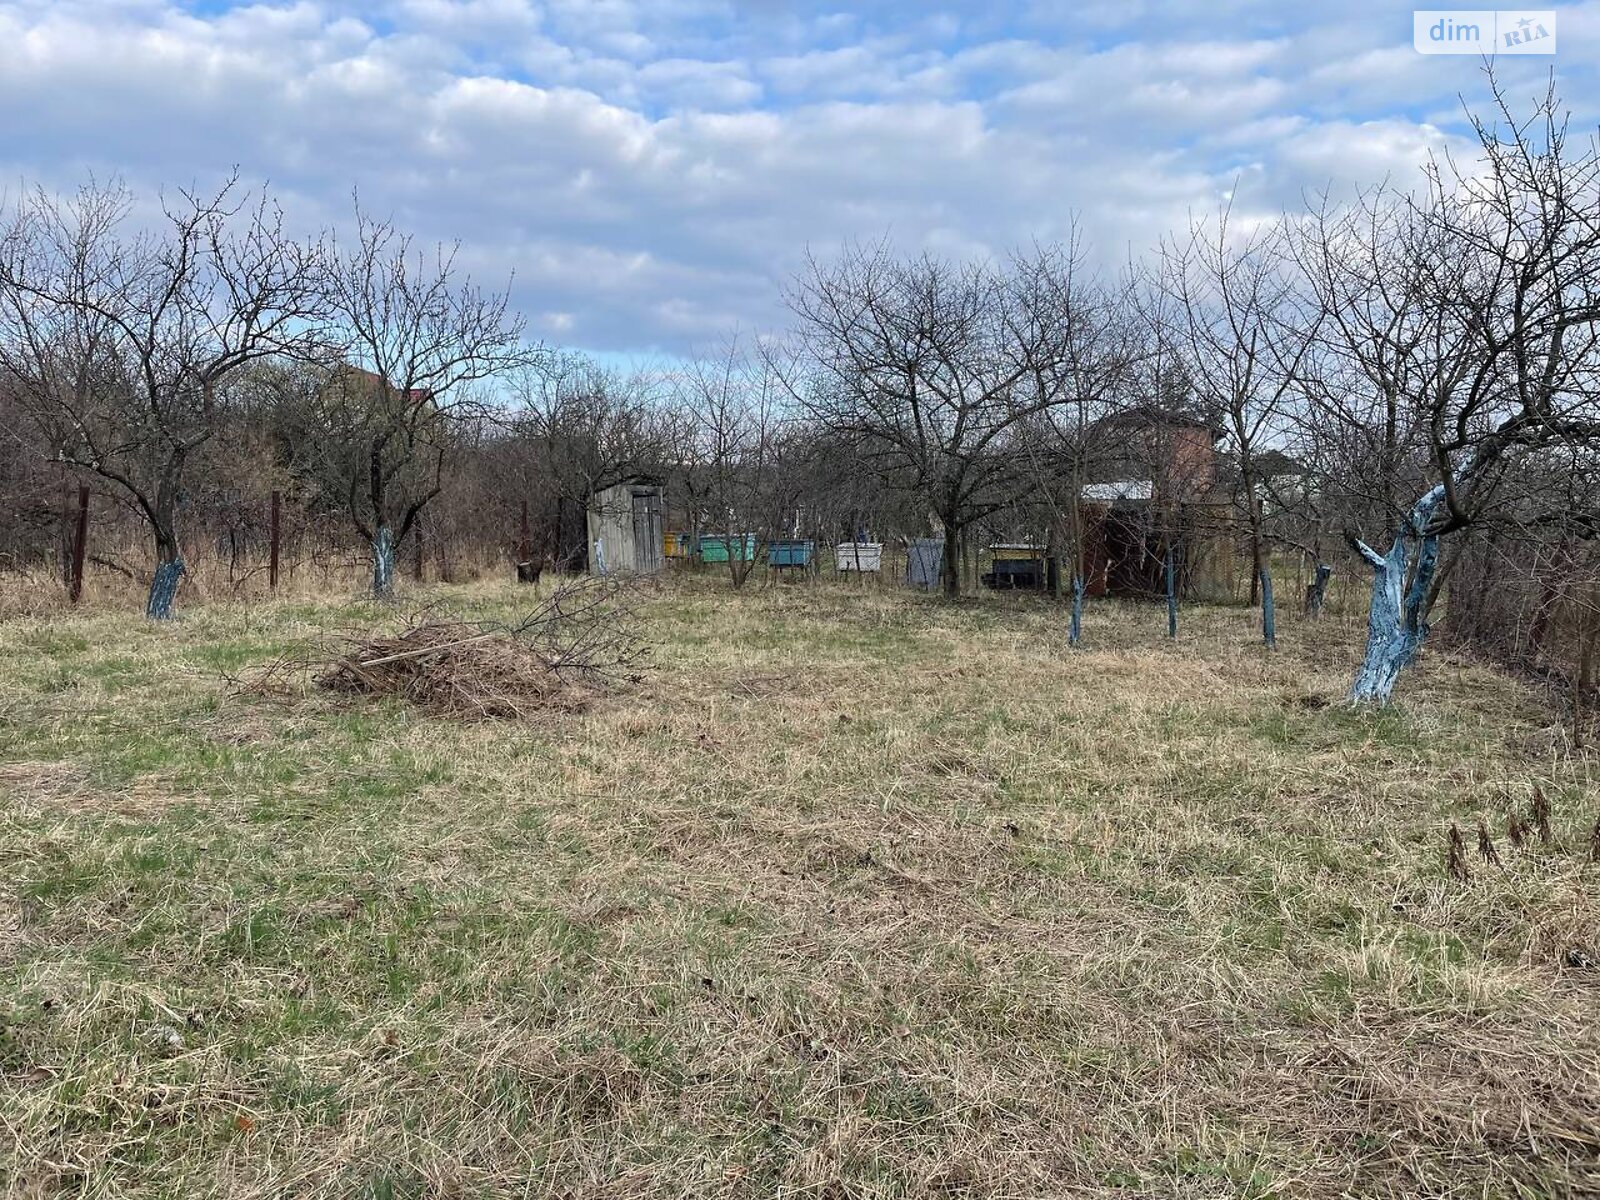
[718,549]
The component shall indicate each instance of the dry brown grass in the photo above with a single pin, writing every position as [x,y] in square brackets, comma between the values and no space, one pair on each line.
[859,894]
[119,578]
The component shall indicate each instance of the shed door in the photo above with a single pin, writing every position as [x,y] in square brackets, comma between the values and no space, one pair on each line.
[647,532]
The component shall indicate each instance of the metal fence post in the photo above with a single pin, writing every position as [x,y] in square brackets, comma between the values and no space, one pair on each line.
[80,544]
[272,536]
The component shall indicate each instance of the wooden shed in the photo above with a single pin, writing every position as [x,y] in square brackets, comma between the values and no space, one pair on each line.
[625,528]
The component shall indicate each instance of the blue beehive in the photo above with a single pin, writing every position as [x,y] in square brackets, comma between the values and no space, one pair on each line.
[925,562]
[790,553]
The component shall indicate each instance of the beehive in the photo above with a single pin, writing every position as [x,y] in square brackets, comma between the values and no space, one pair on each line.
[718,548]
[858,556]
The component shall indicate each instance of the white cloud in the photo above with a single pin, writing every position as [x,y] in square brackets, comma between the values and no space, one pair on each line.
[1374,151]
[651,172]
[693,83]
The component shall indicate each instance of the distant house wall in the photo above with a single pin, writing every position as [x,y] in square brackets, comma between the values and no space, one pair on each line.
[1191,466]
[1155,479]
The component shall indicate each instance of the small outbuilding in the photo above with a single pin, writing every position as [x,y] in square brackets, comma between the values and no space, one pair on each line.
[1152,486]
[625,536]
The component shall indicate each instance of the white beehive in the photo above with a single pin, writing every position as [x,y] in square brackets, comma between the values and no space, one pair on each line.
[858,556]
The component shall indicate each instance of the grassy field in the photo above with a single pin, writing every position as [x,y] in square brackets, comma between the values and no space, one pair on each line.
[857,894]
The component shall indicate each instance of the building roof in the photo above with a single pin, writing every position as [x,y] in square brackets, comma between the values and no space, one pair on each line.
[1151,416]
[1275,464]
[654,481]
[1121,489]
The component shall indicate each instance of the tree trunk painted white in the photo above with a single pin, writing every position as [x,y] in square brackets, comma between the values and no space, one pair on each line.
[383,564]
[169,555]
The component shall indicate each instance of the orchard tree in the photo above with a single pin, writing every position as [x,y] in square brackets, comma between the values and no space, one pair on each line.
[1463,344]
[1083,353]
[119,343]
[920,363]
[1236,321]
[743,449]
[413,344]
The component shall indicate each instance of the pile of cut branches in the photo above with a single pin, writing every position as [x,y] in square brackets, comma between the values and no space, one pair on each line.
[453,669]
[577,641]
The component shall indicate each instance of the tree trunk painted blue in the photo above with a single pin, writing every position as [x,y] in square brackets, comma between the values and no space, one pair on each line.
[383,564]
[1269,616]
[164,589]
[1075,630]
[1172,594]
[1395,628]
[1395,625]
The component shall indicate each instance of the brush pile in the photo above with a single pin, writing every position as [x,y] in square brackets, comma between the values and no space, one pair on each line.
[556,658]
[457,670]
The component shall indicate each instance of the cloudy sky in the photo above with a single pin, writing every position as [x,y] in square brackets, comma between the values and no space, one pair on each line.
[653,170]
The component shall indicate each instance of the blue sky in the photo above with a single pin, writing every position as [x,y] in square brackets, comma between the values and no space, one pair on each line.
[653,171]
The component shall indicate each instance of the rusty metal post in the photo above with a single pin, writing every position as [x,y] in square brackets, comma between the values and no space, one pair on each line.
[272,535]
[64,550]
[80,545]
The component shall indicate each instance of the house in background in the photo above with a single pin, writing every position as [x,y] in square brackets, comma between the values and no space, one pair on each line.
[625,528]
[1154,481]
[1284,481]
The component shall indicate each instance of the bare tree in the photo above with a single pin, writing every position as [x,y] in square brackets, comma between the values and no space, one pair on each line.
[1466,321]
[119,345]
[1237,325]
[741,447]
[415,340]
[577,428]
[919,362]
[1083,350]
